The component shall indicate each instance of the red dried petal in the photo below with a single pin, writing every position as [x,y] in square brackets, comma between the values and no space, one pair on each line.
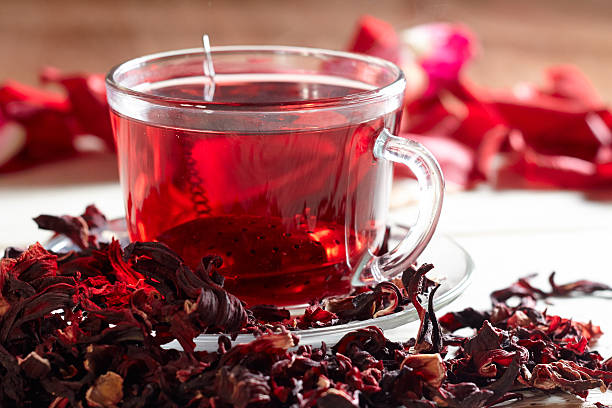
[87,95]
[577,347]
[583,286]
[270,313]
[13,138]
[442,50]
[429,366]
[334,398]
[370,339]
[106,392]
[568,82]
[558,141]
[12,91]
[315,316]
[487,338]
[375,37]
[48,136]
[589,331]
[45,121]
[552,131]
[466,318]
[485,361]
[94,217]
[565,375]
[275,344]
[74,228]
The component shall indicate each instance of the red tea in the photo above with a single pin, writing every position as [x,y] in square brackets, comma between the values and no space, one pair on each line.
[291,212]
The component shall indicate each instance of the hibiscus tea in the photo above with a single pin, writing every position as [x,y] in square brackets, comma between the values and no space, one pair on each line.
[291,212]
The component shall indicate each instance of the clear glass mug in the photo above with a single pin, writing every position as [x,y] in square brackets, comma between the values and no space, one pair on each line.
[281,165]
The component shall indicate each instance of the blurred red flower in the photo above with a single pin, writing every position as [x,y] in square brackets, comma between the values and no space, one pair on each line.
[554,135]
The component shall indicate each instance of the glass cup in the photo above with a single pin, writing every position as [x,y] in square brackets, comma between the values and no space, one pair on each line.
[281,164]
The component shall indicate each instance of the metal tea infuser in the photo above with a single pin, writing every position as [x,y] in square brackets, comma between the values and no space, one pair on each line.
[196,183]
[209,70]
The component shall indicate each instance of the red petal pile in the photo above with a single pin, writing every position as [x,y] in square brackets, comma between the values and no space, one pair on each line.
[39,126]
[86,328]
[554,135]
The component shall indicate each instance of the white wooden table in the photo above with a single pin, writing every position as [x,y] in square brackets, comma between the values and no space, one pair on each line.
[509,234]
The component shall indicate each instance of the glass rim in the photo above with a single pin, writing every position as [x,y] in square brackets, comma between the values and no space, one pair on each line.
[393,88]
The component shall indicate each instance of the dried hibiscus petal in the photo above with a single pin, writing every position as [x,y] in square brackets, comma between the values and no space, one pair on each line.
[375,37]
[35,366]
[566,376]
[442,50]
[36,126]
[315,316]
[74,228]
[94,217]
[240,388]
[429,366]
[569,83]
[429,338]
[523,290]
[77,229]
[12,384]
[383,299]
[106,392]
[466,318]
[13,137]
[270,313]
[333,398]
[415,283]
[583,286]
[370,339]
[87,95]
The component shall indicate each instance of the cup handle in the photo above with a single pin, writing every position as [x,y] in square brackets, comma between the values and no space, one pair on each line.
[431,185]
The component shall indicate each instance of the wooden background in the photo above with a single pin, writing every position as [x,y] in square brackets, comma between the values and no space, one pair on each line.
[519,37]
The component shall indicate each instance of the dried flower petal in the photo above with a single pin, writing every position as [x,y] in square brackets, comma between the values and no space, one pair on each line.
[35,366]
[466,318]
[270,313]
[334,398]
[442,50]
[106,392]
[13,138]
[74,228]
[87,95]
[566,376]
[429,366]
[383,299]
[43,117]
[375,37]
[315,316]
[583,286]
[239,387]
